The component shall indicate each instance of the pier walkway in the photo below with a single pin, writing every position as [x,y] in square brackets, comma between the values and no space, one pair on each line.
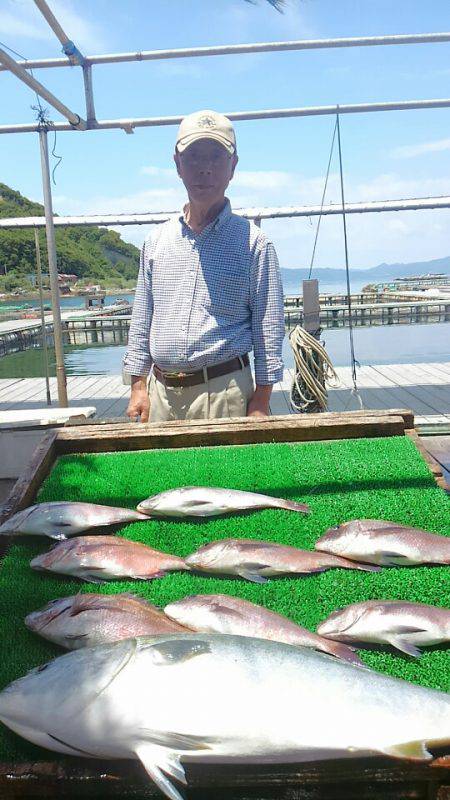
[424,388]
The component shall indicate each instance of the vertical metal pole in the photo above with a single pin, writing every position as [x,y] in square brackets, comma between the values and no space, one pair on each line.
[41,298]
[53,271]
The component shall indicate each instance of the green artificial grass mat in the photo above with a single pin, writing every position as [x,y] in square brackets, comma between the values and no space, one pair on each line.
[341,480]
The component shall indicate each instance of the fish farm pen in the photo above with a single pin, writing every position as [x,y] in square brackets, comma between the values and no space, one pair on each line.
[345,466]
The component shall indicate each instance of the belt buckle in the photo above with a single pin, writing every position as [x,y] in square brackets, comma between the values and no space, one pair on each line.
[177,374]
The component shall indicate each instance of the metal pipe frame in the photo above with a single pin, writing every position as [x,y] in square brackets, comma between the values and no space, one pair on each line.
[236,49]
[74,55]
[53,272]
[75,120]
[307,111]
[379,206]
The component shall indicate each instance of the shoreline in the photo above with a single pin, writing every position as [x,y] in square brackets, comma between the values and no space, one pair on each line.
[18,298]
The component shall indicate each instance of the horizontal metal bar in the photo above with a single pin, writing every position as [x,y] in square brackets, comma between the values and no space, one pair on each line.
[306,111]
[413,204]
[74,119]
[235,49]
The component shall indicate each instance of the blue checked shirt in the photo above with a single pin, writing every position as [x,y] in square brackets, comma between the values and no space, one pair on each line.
[206,298]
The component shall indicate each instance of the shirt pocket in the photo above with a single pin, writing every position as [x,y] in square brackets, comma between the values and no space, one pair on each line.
[225,292]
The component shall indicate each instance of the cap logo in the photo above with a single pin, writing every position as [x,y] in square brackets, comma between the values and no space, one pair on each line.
[206,122]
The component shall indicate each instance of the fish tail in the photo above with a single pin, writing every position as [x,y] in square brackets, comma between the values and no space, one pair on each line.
[343,652]
[291,505]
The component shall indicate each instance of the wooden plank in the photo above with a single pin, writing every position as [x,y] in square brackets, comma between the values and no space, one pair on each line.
[434,466]
[377,778]
[293,428]
[437,398]
[116,425]
[24,490]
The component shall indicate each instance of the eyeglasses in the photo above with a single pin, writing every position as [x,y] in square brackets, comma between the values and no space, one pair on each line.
[217,158]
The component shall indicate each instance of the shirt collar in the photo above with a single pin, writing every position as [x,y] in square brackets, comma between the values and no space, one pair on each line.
[217,223]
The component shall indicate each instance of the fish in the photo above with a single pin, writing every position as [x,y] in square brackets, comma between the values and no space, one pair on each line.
[102,558]
[386,543]
[63,519]
[404,625]
[86,620]
[199,698]
[221,613]
[207,501]
[256,561]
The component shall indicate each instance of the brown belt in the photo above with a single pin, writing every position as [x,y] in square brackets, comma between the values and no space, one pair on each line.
[198,377]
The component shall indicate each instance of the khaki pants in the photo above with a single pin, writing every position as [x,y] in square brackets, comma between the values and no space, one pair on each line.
[226,396]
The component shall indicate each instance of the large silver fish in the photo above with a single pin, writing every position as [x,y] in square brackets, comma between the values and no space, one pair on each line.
[220,613]
[399,623]
[209,697]
[386,543]
[63,519]
[206,501]
[103,558]
[256,561]
[85,620]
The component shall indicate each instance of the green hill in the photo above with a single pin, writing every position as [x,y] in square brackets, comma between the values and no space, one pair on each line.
[92,253]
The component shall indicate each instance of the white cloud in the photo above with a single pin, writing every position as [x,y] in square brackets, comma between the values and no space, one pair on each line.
[22,19]
[413,150]
[14,25]
[373,238]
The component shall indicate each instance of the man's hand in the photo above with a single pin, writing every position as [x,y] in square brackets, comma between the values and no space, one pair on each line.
[139,404]
[258,405]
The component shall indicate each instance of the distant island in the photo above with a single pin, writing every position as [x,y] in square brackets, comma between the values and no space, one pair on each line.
[383,272]
[96,255]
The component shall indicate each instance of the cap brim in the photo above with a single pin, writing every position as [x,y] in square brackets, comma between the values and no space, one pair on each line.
[186,141]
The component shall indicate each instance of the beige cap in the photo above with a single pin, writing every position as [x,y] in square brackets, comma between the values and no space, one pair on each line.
[206,125]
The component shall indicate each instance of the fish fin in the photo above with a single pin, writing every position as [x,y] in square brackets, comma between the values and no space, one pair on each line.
[366,567]
[156,763]
[401,644]
[254,577]
[413,751]
[159,574]
[227,612]
[92,578]
[387,559]
[409,629]
[176,650]
[180,741]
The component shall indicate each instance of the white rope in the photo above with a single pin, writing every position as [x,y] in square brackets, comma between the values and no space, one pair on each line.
[313,369]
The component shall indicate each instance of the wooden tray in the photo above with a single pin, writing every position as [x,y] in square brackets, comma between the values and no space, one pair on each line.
[377,778]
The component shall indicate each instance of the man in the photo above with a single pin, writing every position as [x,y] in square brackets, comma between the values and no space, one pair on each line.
[209,291]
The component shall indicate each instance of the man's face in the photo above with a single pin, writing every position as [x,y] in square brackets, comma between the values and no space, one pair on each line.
[205,168]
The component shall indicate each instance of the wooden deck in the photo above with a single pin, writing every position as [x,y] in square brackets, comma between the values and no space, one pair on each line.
[424,388]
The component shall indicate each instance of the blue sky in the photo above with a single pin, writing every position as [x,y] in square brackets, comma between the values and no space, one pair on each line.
[282,162]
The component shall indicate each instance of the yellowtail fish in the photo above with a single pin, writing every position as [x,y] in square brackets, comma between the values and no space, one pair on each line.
[204,698]
[206,501]
[86,620]
[102,558]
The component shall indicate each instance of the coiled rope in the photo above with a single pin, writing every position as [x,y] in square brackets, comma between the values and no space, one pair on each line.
[313,369]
